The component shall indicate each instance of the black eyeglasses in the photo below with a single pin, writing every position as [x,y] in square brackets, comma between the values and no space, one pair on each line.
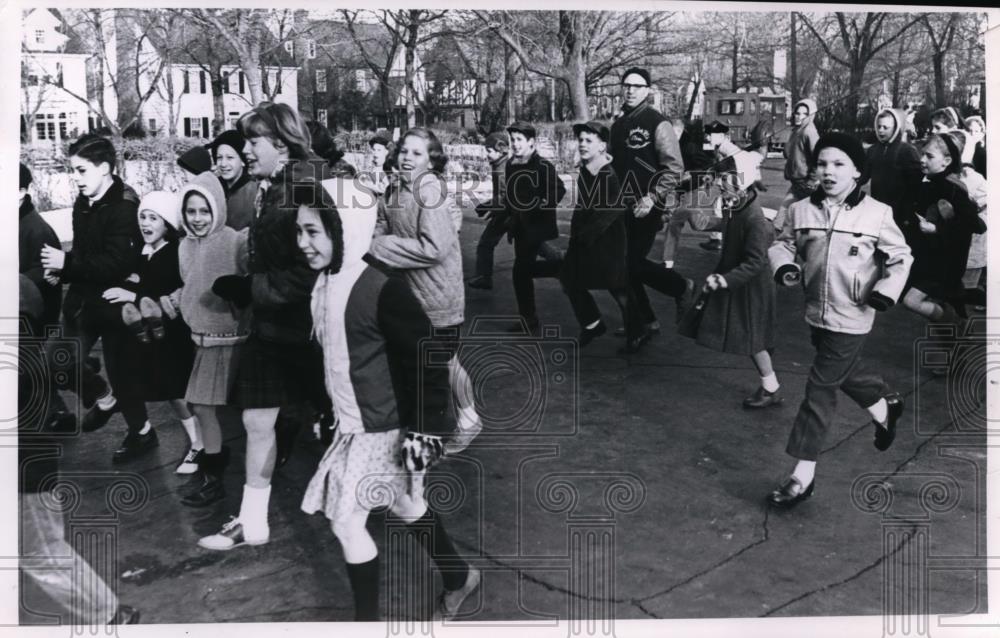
[634,86]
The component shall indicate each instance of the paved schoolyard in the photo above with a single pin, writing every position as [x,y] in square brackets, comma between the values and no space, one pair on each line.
[607,486]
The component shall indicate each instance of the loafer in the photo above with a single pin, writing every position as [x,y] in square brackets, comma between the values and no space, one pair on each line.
[189,465]
[153,315]
[791,493]
[884,436]
[589,334]
[480,283]
[125,615]
[635,344]
[450,602]
[230,537]
[653,327]
[135,445]
[96,418]
[211,490]
[133,321]
[762,399]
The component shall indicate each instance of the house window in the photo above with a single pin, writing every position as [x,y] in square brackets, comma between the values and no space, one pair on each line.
[152,126]
[360,80]
[201,81]
[243,85]
[187,82]
[311,49]
[196,127]
[321,80]
[321,117]
[39,36]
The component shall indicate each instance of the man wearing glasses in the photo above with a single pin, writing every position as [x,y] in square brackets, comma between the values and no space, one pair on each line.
[646,157]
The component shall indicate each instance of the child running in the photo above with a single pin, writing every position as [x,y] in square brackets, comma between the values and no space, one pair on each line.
[370,326]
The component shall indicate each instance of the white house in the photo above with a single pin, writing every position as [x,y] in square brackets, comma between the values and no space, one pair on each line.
[184,95]
[51,80]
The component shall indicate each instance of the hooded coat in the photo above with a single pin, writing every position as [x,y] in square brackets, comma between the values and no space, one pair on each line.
[799,148]
[213,320]
[370,326]
[894,170]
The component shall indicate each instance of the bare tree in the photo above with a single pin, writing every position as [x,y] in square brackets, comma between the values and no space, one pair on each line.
[941,29]
[861,38]
[34,90]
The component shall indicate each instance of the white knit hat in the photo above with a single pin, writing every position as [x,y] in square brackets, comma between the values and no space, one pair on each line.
[165,204]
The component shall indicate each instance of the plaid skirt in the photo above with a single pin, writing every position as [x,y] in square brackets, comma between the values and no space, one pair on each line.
[272,375]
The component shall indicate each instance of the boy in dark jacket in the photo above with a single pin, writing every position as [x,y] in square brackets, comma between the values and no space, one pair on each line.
[106,244]
[894,167]
[532,189]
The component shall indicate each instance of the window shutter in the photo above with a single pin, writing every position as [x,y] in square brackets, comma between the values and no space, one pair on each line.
[187,82]
[201,80]
[187,127]
[205,131]
[243,88]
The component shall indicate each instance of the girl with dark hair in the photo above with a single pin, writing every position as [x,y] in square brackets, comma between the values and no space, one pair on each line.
[231,169]
[106,243]
[279,367]
[947,218]
[370,327]
[161,363]
[416,234]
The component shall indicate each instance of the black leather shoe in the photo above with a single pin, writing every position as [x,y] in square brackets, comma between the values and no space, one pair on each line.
[96,418]
[210,491]
[790,493]
[125,615]
[635,344]
[135,445]
[762,399]
[884,436]
[480,283]
[589,334]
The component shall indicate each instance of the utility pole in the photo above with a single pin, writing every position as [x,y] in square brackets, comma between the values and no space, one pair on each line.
[794,75]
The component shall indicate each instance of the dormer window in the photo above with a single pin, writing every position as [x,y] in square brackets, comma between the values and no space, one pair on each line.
[39,36]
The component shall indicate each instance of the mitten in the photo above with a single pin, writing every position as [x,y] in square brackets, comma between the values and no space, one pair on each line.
[787,275]
[880,302]
[234,288]
[945,209]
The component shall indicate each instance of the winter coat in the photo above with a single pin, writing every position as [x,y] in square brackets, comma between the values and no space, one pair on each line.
[595,257]
[976,185]
[281,278]
[33,233]
[533,189]
[240,200]
[799,149]
[38,450]
[106,244]
[370,326]
[646,157]
[415,234]
[939,258]
[740,317]
[846,255]
[894,170]
[213,320]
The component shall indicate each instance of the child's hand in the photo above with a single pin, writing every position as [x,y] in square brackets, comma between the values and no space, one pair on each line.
[926,227]
[168,307]
[643,206]
[53,258]
[715,281]
[118,295]
[51,277]
[133,278]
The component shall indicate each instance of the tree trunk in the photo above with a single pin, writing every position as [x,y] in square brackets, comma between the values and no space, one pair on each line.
[849,117]
[693,100]
[937,59]
[218,103]
[735,82]
[793,68]
[252,75]
[412,32]
[510,107]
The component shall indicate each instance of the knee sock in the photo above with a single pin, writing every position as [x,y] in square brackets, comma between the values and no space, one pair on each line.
[364,584]
[805,472]
[770,382]
[434,539]
[253,511]
[879,412]
[191,428]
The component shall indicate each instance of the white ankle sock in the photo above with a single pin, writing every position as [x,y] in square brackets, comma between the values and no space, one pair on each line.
[193,431]
[668,264]
[770,382]
[107,402]
[146,428]
[879,411]
[593,325]
[805,471]
[253,511]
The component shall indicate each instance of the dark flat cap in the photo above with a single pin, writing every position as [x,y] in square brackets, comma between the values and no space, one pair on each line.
[523,128]
[496,140]
[716,127]
[594,127]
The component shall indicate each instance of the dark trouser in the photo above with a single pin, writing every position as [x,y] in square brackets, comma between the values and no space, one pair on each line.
[643,272]
[837,365]
[526,268]
[587,312]
[70,373]
[121,361]
[491,237]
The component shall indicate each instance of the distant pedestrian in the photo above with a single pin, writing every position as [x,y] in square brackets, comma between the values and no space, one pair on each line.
[798,157]
[894,168]
[231,168]
[494,211]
